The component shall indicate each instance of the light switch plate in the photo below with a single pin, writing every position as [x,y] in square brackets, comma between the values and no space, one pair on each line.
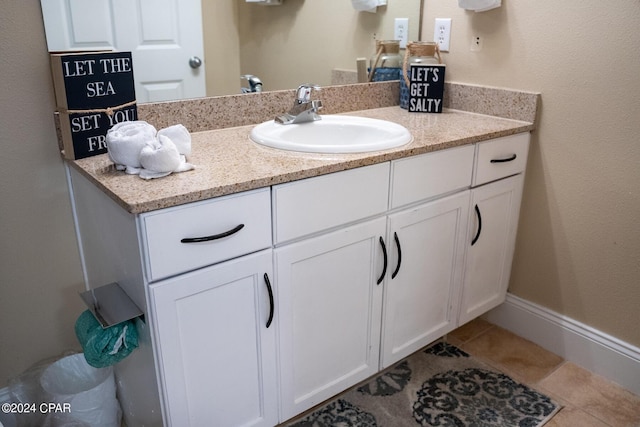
[442,33]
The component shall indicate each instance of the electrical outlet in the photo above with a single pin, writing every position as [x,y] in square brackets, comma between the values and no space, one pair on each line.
[401,31]
[442,33]
[476,44]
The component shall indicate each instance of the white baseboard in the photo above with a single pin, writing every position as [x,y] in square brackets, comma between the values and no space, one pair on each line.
[576,342]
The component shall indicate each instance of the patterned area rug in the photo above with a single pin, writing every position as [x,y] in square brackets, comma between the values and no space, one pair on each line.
[440,386]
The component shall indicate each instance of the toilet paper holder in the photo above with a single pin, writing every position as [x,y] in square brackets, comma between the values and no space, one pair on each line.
[110,305]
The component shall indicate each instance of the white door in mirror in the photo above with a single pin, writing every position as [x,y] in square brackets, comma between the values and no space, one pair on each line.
[162,36]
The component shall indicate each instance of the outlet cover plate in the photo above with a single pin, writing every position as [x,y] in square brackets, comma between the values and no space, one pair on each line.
[401,31]
[476,44]
[442,33]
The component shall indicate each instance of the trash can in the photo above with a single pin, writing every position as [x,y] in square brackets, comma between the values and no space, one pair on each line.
[78,394]
[7,419]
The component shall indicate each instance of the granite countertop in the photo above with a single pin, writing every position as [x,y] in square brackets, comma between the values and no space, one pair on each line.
[228,162]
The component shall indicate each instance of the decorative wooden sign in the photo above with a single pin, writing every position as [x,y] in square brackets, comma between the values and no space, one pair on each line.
[426,88]
[94,91]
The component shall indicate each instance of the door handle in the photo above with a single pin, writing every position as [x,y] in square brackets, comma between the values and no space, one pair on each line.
[271,307]
[384,255]
[395,272]
[195,62]
[214,236]
[507,159]
[475,239]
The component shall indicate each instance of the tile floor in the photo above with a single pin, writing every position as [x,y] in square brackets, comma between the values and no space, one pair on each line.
[588,400]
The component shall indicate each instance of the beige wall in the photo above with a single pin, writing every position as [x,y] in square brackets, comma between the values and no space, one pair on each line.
[40,272]
[578,248]
[293,43]
[302,41]
[221,46]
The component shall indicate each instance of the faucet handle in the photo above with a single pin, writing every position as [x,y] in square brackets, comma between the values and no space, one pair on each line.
[255,84]
[304,92]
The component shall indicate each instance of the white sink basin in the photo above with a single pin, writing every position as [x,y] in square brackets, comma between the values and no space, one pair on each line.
[332,134]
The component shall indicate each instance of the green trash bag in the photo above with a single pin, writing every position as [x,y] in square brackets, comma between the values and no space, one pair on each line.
[105,347]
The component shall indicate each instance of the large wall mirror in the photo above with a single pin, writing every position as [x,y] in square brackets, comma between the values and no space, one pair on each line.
[193,48]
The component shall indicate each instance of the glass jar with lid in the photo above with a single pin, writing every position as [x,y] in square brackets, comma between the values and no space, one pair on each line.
[419,53]
[386,62]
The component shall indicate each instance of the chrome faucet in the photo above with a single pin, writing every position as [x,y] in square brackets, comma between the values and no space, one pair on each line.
[255,84]
[304,109]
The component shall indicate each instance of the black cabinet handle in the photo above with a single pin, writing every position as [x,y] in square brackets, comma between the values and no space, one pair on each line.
[266,280]
[475,239]
[395,273]
[213,237]
[508,159]
[384,254]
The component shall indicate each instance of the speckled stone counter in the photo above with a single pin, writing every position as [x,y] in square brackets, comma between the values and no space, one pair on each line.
[227,161]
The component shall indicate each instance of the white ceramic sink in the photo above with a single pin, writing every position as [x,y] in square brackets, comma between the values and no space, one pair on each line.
[332,134]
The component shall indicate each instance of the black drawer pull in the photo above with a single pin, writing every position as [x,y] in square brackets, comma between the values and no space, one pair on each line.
[395,273]
[508,159]
[384,255]
[268,283]
[475,239]
[212,237]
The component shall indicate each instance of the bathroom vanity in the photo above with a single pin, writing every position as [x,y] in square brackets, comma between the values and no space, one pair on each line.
[273,280]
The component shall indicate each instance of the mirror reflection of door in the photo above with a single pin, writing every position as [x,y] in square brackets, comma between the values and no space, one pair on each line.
[164,37]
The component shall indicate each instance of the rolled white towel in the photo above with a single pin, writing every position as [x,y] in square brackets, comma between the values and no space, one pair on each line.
[180,136]
[161,157]
[125,140]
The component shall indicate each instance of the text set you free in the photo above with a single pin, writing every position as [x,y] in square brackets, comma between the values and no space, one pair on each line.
[94,91]
[105,66]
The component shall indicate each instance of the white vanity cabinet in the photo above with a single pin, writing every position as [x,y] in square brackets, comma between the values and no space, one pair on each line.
[186,237]
[215,343]
[203,275]
[329,283]
[340,257]
[494,211]
[422,288]
[426,241]
[265,303]
[405,252]
[214,326]
[329,310]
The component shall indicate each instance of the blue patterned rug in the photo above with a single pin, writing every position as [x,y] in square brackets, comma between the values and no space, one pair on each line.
[441,386]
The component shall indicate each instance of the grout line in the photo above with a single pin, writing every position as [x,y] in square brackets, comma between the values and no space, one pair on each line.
[483,332]
[560,365]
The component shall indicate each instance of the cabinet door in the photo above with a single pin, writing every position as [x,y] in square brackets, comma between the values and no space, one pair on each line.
[216,356]
[493,215]
[425,275]
[329,309]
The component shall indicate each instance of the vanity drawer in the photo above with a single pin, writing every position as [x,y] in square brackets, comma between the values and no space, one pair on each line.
[228,227]
[500,157]
[429,175]
[315,204]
